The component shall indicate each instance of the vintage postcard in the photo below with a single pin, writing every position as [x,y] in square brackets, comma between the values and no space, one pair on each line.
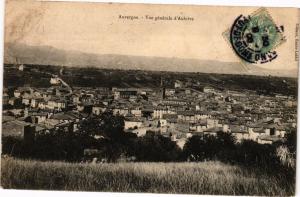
[149,98]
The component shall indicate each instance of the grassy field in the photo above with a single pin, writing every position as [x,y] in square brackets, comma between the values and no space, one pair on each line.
[189,178]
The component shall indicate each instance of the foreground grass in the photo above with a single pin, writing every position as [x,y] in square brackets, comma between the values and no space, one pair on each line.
[189,178]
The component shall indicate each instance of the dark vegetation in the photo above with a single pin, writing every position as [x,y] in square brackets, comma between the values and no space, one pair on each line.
[106,134]
[38,76]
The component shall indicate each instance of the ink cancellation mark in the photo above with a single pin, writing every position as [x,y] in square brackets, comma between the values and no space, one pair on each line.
[255,37]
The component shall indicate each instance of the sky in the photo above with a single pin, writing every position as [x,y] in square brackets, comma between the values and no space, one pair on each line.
[97,28]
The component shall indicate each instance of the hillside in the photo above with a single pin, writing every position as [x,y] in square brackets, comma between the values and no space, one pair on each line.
[39,76]
[46,55]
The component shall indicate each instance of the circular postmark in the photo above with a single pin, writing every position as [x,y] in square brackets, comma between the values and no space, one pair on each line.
[254,38]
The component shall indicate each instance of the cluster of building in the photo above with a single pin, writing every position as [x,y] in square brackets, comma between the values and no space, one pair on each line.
[179,112]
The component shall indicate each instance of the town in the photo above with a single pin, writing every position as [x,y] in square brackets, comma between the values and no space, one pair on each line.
[177,112]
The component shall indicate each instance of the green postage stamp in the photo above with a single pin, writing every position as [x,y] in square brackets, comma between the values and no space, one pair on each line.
[254,37]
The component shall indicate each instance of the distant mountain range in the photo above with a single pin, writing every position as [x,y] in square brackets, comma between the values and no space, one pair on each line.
[47,55]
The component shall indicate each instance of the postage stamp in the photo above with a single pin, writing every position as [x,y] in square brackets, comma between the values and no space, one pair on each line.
[255,37]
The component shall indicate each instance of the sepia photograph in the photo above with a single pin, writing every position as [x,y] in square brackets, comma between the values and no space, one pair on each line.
[149,98]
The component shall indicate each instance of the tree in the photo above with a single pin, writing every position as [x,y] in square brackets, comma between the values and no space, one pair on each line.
[199,148]
[193,148]
[115,142]
[226,140]
[90,126]
[155,147]
[12,146]
[106,125]
[291,140]
[226,143]
[112,126]
[209,147]
[251,153]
